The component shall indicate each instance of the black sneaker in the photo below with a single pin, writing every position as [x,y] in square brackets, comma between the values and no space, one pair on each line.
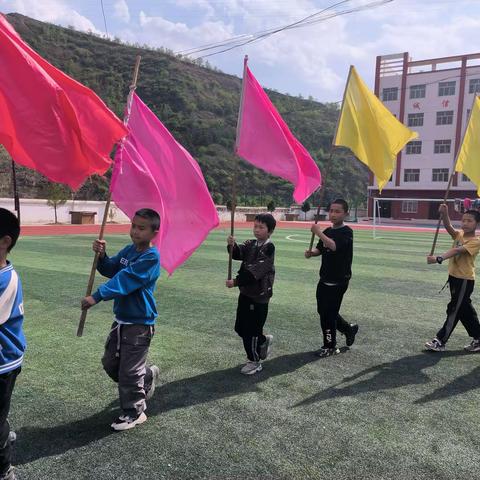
[327,352]
[350,335]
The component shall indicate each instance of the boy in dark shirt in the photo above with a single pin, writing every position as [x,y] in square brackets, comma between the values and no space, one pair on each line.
[255,281]
[336,248]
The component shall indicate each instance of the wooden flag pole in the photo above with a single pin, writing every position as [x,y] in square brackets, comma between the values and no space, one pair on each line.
[91,280]
[16,199]
[235,170]
[450,180]
[329,161]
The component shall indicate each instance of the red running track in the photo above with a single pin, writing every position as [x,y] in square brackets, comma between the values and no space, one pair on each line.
[38,230]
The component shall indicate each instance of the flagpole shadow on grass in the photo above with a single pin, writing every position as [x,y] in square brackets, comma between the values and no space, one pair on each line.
[398,373]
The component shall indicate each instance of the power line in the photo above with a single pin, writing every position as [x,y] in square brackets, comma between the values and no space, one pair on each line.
[104,18]
[244,39]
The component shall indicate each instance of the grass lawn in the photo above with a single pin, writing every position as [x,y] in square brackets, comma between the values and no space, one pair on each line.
[383,410]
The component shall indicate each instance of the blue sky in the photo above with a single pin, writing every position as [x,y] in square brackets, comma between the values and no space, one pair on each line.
[310,61]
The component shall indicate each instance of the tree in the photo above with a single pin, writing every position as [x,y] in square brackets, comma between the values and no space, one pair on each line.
[271,206]
[56,195]
[305,208]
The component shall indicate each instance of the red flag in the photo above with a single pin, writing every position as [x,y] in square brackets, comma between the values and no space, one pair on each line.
[264,139]
[48,121]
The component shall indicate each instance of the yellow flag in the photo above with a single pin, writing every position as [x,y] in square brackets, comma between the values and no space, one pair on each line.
[468,160]
[370,130]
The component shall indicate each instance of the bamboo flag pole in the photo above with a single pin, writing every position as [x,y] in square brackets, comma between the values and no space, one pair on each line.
[450,180]
[329,161]
[91,280]
[235,169]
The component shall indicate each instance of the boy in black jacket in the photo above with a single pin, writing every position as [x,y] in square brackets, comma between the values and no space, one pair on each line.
[336,248]
[255,281]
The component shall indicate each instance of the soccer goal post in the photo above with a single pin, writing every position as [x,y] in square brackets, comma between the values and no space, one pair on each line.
[404,213]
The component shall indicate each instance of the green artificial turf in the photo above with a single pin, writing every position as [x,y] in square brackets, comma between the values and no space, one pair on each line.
[383,410]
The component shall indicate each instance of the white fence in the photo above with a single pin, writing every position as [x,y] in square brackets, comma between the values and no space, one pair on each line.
[37,212]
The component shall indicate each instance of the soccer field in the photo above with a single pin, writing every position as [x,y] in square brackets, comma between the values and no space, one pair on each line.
[383,410]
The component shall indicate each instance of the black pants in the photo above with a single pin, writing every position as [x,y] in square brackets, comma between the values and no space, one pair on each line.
[124,360]
[460,308]
[7,382]
[251,317]
[329,301]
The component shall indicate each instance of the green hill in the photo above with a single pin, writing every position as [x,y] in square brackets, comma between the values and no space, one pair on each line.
[199,105]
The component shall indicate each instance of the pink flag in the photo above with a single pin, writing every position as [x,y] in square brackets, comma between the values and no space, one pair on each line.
[264,140]
[48,121]
[152,170]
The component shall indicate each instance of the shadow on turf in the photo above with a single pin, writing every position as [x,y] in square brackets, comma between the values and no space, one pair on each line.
[460,385]
[38,442]
[218,384]
[398,373]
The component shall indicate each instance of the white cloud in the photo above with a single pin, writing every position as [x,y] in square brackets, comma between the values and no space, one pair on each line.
[121,11]
[53,11]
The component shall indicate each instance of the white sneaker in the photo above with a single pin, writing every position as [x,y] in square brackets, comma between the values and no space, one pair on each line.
[435,345]
[155,376]
[125,422]
[266,347]
[250,368]
[473,346]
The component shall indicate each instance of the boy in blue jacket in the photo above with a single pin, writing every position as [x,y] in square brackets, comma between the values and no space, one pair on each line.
[12,340]
[133,272]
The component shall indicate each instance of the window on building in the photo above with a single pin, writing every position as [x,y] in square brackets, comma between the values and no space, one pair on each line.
[440,175]
[446,88]
[442,146]
[410,206]
[474,86]
[390,94]
[445,117]
[415,119]
[414,147]
[465,178]
[417,91]
[411,175]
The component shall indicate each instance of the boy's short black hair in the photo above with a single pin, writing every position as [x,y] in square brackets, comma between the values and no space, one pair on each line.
[268,220]
[9,225]
[474,213]
[151,215]
[342,202]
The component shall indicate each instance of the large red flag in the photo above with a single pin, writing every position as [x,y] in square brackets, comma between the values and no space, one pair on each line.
[48,121]
[152,170]
[264,139]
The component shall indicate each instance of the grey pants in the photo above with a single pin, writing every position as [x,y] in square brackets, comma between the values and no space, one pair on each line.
[124,360]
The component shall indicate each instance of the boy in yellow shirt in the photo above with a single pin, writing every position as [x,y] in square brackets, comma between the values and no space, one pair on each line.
[461,279]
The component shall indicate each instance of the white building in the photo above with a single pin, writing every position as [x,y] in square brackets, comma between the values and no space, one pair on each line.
[434,98]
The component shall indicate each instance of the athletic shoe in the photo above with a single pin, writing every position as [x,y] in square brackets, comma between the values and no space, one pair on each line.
[435,345]
[155,376]
[266,347]
[327,352]
[9,475]
[12,437]
[473,346]
[350,335]
[125,422]
[250,368]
